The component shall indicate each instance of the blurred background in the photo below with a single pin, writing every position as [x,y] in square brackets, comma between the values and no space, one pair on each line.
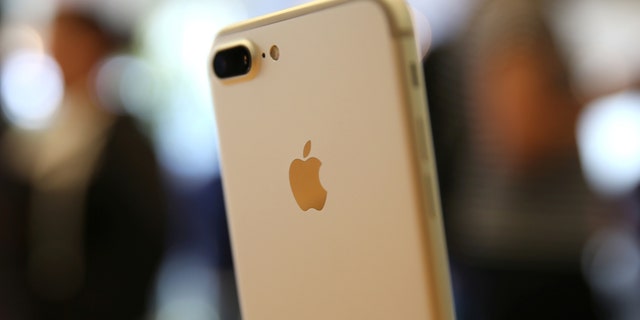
[110,198]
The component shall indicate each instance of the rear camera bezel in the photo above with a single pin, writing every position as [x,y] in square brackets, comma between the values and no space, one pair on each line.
[234,61]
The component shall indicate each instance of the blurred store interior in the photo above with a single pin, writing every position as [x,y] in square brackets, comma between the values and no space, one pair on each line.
[110,199]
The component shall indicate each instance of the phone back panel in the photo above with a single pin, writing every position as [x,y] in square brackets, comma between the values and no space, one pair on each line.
[342,81]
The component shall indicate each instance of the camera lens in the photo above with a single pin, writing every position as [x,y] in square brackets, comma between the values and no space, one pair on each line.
[232,62]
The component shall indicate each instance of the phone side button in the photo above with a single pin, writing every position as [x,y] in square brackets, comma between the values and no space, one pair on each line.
[421,135]
[413,71]
[427,189]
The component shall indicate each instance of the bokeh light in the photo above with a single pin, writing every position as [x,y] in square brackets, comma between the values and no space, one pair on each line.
[186,289]
[187,142]
[609,141]
[176,39]
[598,37]
[613,261]
[128,82]
[31,89]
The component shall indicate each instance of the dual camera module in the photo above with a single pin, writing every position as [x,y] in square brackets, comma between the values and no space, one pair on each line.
[237,61]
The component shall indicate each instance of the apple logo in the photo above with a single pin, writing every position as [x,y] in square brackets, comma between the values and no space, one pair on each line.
[304,177]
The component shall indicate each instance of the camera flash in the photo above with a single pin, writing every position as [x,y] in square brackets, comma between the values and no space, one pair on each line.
[274,52]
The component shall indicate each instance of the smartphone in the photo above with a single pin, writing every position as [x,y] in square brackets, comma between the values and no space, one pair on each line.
[327,165]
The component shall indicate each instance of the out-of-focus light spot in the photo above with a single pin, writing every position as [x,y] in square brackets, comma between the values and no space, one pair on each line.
[609,142]
[177,39]
[31,89]
[600,40]
[139,87]
[186,289]
[422,31]
[187,140]
[446,17]
[127,82]
[161,36]
[612,262]
[108,79]
[179,34]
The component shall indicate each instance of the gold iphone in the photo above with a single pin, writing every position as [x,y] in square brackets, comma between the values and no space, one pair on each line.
[328,166]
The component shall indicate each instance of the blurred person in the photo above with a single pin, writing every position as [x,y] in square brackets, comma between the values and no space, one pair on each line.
[88,240]
[517,208]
